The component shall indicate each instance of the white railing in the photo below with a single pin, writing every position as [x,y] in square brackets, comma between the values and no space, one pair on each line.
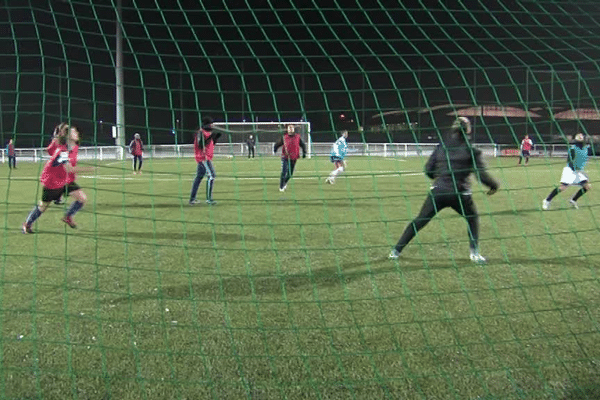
[102,153]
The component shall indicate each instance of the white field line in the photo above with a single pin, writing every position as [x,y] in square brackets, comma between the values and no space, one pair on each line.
[298,176]
[368,175]
[167,177]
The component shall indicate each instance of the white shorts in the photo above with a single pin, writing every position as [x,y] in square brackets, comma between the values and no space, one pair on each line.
[570,177]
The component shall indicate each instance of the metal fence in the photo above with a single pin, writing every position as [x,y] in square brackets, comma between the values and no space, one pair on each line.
[102,153]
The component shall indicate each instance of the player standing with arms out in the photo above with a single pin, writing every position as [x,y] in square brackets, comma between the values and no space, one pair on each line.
[450,166]
[573,173]
[12,156]
[54,177]
[526,146]
[251,143]
[204,147]
[136,148]
[337,157]
[289,154]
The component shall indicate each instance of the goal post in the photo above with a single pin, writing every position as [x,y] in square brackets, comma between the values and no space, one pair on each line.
[265,135]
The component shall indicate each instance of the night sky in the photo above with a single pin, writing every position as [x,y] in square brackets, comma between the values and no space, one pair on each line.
[289,60]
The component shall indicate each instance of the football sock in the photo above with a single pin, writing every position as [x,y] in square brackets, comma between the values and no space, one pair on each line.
[282,180]
[74,207]
[579,193]
[337,171]
[473,232]
[552,194]
[209,188]
[33,215]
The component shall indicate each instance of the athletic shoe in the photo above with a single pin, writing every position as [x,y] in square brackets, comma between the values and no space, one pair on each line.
[545,205]
[477,258]
[26,228]
[193,202]
[394,254]
[330,181]
[573,204]
[69,221]
[211,202]
[283,188]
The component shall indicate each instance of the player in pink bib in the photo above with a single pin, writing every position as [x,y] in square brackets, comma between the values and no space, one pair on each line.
[526,146]
[58,177]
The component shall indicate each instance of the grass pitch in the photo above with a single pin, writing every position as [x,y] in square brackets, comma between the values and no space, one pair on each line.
[271,295]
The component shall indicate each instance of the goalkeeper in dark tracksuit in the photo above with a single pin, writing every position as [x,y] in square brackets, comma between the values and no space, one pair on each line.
[450,166]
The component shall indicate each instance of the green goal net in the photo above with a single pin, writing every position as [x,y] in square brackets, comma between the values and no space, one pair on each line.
[286,291]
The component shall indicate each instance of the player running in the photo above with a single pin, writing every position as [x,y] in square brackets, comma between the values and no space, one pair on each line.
[72,188]
[59,130]
[573,173]
[292,143]
[55,178]
[337,157]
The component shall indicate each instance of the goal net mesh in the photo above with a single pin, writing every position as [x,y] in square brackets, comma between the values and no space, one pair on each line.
[290,294]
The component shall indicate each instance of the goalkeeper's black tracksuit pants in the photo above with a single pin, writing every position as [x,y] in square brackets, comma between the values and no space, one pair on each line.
[438,199]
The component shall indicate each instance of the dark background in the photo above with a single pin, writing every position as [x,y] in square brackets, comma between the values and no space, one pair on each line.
[388,71]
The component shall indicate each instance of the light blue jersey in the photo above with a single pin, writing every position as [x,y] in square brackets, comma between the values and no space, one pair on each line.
[578,157]
[339,149]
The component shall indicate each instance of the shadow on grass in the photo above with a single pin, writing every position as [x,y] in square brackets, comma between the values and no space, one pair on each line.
[194,235]
[244,286]
[348,272]
[267,285]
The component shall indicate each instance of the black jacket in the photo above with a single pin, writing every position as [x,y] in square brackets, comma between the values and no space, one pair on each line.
[453,162]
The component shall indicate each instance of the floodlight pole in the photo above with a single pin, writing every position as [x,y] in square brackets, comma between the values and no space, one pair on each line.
[120,88]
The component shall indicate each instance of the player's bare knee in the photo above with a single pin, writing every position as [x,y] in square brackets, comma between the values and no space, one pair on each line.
[80,196]
[42,206]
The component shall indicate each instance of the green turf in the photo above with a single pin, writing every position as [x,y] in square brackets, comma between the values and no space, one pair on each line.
[269,295]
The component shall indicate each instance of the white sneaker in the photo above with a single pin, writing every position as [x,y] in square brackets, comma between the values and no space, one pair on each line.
[545,204]
[330,181]
[573,204]
[394,254]
[477,258]
[282,189]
